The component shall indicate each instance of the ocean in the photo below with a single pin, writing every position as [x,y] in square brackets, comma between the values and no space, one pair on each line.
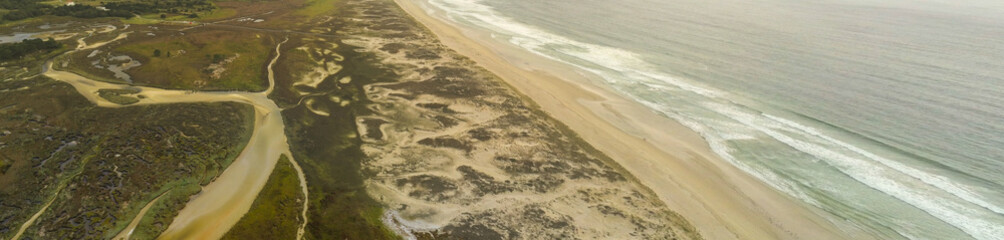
[888,115]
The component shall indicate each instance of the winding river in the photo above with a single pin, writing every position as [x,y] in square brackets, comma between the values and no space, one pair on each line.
[222,203]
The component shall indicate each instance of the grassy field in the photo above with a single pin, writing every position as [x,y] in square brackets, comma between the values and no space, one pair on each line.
[275,214]
[218,14]
[141,21]
[185,62]
[204,16]
[315,8]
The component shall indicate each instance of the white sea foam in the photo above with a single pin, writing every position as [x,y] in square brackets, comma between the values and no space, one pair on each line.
[714,114]
[941,182]
[890,180]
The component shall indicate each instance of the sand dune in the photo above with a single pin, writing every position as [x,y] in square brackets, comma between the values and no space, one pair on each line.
[673,161]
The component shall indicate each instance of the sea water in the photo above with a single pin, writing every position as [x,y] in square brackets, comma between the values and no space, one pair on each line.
[888,115]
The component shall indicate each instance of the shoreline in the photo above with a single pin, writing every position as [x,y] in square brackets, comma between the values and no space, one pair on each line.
[674,162]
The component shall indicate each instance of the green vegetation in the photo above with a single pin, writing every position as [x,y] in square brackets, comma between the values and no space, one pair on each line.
[84,11]
[205,15]
[157,6]
[135,153]
[275,214]
[24,9]
[217,58]
[14,10]
[108,161]
[217,14]
[4,165]
[125,157]
[141,21]
[12,51]
[328,148]
[116,95]
[212,60]
[315,8]
[21,9]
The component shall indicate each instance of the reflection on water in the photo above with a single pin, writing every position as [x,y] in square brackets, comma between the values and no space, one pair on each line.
[18,36]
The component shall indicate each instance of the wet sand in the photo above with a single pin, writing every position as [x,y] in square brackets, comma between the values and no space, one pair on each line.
[674,162]
[211,213]
[222,203]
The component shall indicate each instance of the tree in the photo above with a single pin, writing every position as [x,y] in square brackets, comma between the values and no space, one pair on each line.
[12,51]
[217,58]
[156,52]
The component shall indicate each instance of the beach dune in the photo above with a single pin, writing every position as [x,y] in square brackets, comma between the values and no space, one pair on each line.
[674,162]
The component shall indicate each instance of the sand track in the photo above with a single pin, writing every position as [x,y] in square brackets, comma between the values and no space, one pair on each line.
[210,214]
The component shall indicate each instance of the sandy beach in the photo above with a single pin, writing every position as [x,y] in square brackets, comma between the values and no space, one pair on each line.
[674,162]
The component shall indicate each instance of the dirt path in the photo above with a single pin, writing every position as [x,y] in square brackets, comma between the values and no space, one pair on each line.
[127,232]
[31,220]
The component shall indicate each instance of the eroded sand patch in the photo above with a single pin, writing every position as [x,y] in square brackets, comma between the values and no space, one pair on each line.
[455,151]
[324,63]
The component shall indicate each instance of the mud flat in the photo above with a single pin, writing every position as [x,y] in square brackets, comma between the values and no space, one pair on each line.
[721,201]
